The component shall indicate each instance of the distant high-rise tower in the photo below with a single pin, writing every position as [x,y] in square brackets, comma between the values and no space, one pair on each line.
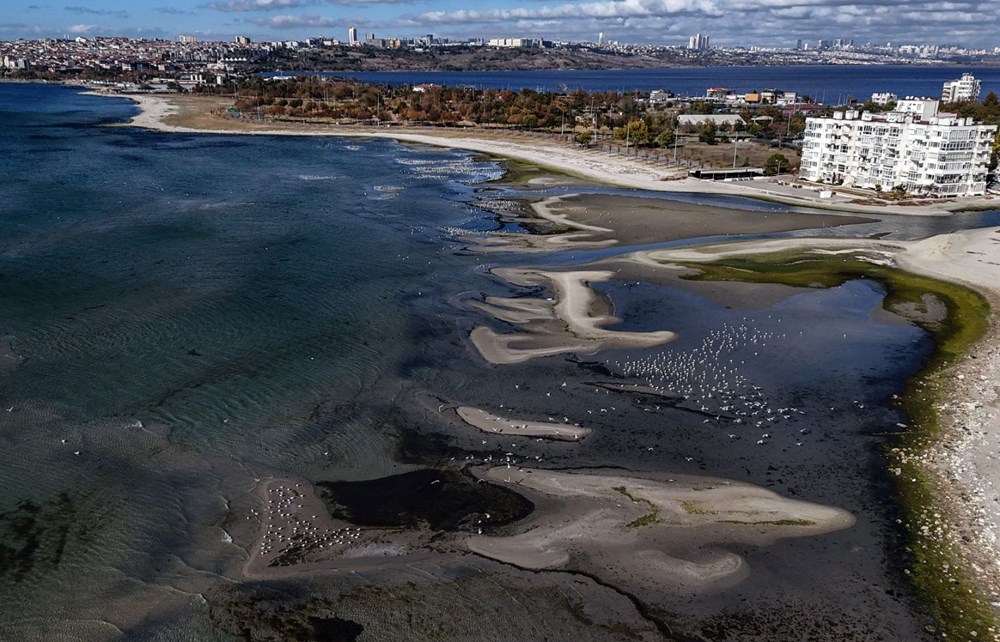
[352,36]
[600,39]
[698,42]
[186,39]
[242,40]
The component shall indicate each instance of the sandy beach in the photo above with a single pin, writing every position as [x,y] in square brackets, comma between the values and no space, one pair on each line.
[964,464]
[188,115]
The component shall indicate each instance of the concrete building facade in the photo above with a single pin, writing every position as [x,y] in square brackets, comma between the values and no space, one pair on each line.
[965,88]
[883,98]
[927,153]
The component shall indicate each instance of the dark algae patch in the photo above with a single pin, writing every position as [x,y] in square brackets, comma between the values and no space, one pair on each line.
[441,500]
[958,606]
[33,537]
[272,616]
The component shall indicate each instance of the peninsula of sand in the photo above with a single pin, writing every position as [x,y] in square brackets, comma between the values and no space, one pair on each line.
[963,465]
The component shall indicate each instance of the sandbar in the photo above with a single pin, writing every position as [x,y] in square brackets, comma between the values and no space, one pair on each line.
[567,323]
[667,534]
[490,423]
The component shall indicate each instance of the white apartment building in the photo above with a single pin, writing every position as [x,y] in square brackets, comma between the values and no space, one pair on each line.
[883,97]
[513,43]
[929,154]
[965,88]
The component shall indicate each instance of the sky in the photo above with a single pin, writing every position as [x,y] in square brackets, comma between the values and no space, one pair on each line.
[777,23]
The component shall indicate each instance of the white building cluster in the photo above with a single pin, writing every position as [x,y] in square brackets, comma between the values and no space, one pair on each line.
[698,42]
[513,43]
[965,88]
[927,153]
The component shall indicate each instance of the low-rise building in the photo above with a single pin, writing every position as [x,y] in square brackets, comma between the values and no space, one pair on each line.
[719,120]
[924,152]
[513,43]
[660,97]
[883,98]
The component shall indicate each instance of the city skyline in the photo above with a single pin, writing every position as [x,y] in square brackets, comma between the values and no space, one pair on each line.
[662,22]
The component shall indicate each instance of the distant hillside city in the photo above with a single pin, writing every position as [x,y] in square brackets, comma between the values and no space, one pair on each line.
[111,56]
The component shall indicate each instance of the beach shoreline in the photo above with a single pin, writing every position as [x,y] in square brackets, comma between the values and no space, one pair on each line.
[966,475]
[166,114]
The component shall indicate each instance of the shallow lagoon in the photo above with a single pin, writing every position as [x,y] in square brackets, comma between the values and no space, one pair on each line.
[186,314]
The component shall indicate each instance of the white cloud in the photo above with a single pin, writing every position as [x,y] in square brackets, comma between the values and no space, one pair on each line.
[304,22]
[97,12]
[258,5]
[774,22]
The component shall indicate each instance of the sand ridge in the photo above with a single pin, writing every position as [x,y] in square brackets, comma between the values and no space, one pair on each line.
[567,322]
[648,533]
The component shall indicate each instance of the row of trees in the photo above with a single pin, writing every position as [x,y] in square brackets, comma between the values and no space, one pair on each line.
[625,116]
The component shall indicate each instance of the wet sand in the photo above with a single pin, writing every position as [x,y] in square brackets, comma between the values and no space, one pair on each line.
[593,221]
[566,322]
[648,534]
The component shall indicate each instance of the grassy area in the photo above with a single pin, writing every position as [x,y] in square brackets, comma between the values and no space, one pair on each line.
[771,522]
[695,508]
[520,172]
[650,518]
[960,609]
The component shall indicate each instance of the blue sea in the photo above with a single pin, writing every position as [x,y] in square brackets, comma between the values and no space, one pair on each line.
[183,315]
[826,84]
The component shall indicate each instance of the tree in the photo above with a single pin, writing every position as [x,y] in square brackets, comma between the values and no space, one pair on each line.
[707,133]
[775,164]
[702,107]
[666,138]
[583,138]
[635,133]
